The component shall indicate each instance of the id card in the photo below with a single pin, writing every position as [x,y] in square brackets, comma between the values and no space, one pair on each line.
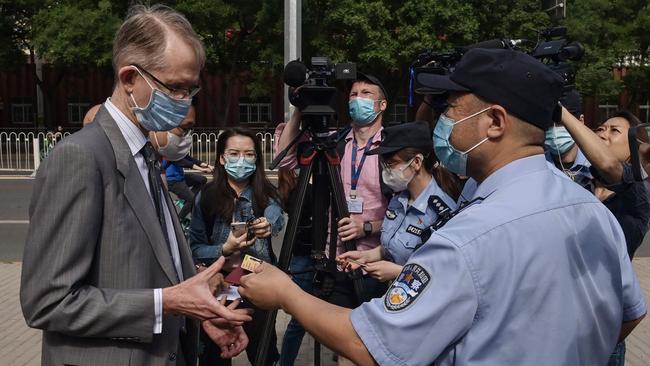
[230,293]
[249,263]
[355,205]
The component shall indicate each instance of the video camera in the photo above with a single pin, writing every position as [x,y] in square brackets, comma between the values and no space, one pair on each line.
[311,91]
[552,49]
[444,63]
[555,51]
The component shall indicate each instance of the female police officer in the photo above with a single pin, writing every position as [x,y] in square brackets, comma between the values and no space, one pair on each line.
[409,167]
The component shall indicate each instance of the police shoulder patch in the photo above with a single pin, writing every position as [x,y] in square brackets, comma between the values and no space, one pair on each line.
[390,214]
[407,287]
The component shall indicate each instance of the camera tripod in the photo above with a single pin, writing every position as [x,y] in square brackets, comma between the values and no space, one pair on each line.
[318,159]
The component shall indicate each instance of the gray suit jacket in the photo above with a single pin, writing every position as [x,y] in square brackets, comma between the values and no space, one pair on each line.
[94,253]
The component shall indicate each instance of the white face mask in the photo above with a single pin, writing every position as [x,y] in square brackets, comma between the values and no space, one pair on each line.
[177,146]
[395,179]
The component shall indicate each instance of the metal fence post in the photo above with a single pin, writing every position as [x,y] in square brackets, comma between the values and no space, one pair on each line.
[37,153]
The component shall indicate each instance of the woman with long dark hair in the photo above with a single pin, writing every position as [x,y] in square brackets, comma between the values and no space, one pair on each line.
[422,193]
[608,151]
[239,193]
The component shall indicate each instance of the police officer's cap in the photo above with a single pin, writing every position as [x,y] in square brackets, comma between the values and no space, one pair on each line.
[412,134]
[520,83]
[370,79]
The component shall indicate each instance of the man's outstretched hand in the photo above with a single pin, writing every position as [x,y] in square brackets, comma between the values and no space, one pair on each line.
[194,297]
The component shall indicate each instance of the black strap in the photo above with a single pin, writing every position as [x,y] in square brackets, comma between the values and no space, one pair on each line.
[340,149]
[444,216]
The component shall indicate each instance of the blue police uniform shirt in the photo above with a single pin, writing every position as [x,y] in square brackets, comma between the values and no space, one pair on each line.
[535,273]
[403,224]
[579,171]
[468,191]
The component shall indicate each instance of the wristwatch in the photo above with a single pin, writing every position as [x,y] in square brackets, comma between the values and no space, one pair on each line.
[367,228]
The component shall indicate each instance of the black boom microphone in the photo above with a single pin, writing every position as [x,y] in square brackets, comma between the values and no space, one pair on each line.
[496,43]
[295,73]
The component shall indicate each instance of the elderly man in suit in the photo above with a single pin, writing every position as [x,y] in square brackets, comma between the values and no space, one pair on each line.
[107,273]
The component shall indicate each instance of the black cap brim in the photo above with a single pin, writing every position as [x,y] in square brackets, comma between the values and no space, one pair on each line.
[372,80]
[381,150]
[439,83]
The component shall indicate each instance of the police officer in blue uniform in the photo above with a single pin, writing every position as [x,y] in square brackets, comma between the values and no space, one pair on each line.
[531,270]
[406,152]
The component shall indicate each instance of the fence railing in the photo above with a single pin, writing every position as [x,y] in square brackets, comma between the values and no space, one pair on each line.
[23,151]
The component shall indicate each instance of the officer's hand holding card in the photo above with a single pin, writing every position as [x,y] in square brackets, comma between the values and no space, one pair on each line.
[267,287]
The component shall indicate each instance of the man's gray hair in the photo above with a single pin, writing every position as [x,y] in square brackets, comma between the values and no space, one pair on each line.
[142,38]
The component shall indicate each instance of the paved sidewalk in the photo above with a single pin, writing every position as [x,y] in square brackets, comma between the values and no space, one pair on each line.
[20,345]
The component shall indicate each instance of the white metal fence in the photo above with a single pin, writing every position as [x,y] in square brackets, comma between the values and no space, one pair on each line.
[23,151]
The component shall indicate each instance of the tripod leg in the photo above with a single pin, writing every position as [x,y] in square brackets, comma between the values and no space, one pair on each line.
[340,210]
[284,259]
[316,353]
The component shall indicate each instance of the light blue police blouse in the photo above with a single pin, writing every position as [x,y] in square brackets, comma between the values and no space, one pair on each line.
[536,273]
[403,224]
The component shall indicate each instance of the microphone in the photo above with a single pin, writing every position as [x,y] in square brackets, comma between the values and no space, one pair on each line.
[492,43]
[295,73]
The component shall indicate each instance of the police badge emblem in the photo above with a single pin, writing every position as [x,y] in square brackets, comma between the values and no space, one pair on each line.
[407,287]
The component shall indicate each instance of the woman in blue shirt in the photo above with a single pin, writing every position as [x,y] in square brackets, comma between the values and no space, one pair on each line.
[239,192]
[411,170]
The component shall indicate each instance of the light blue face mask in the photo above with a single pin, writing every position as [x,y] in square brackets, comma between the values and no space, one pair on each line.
[239,169]
[163,112]
[558,140]
[362,110]
[452,159]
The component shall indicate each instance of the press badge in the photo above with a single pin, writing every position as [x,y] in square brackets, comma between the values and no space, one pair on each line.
[355,205]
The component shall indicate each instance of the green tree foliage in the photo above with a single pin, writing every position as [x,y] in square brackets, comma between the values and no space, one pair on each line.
[244,38]
[15,28]
[76,33]
[610,30]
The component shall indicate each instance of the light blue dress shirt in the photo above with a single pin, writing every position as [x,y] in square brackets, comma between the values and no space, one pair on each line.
[535,273]
[403,224]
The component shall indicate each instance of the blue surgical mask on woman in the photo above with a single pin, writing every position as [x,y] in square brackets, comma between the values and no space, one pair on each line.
[362,110]
[239,169]
[163,112]
[453,159]
[558,140]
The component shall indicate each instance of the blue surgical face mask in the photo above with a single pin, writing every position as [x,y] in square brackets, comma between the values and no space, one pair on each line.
[362,110]
[163,112]
[239,169]
[453,159]
[558,140]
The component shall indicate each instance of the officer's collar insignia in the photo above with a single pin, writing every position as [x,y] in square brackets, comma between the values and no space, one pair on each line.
[390,214]
[407,287]
[438,205]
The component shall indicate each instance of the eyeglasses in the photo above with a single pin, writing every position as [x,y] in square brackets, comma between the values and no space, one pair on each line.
[391,166]
[232,156]
[176,93]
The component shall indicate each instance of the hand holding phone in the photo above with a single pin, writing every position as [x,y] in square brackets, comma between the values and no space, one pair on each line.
[238,228]
[238,238]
